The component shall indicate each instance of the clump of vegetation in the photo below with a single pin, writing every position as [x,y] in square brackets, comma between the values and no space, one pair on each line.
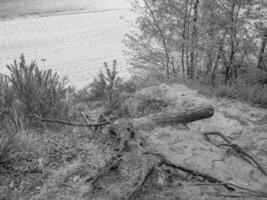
[107,87]
[107,84]
[252,93]
[31,91]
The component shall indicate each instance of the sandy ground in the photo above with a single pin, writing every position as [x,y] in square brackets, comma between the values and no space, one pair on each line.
[70,159]
[245,124]
[75,45]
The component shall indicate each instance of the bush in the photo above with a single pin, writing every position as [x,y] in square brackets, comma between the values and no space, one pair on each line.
[106,84]
[30,90]
[6,96]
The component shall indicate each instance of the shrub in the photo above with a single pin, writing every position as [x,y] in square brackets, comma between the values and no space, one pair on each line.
[35,91]
[106,84]
[6,97]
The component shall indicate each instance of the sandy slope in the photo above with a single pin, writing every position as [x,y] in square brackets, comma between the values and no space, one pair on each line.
[244,124]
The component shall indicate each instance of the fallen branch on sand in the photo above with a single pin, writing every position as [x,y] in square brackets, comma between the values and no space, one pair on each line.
[241,152]
[70,123]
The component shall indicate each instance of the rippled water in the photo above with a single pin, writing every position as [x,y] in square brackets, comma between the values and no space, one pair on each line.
[75,45]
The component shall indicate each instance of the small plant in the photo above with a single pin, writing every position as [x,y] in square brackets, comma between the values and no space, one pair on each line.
[105,85]
[36,91]
[6,97]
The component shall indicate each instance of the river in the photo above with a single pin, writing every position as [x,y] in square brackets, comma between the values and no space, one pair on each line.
[74,45]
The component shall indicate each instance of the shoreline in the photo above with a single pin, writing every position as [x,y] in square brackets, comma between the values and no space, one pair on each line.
[57,13]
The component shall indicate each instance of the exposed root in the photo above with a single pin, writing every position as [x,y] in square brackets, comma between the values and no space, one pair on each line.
[212,180]
[238,150]
[109,166]
[141,182]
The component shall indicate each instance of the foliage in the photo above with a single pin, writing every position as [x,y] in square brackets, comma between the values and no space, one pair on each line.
[106,84]
[252,93]
[215,41]
[6,96]
[29,90]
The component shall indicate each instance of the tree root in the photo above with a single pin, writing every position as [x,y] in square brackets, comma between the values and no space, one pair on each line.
[241,152]
[141,182]
[109,166]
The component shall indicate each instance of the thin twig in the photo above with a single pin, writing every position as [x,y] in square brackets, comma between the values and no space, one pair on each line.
[256,192]
[86,120]
[234,196]
[103,115]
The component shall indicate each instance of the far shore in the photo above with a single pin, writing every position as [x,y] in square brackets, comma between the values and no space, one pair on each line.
[13,9]
[56,13]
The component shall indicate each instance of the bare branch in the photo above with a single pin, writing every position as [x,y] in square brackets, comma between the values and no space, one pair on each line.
[70,123]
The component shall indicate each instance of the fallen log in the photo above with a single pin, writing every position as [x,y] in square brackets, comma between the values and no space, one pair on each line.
[184,116]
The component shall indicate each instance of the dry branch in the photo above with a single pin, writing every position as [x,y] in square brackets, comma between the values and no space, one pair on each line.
[70,123]
[86,120]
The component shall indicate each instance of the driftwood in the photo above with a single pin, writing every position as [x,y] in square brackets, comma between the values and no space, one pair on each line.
[241,152]
[184,116]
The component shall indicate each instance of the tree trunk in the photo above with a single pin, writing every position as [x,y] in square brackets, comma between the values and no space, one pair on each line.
[184,37]
[216,64]
[209,62]
[161,34]
[184,116]
[262,49]
[188,37]
[233,18]
[193,52]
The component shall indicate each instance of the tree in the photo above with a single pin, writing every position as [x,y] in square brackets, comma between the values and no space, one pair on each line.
[214,36]
[261,64]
